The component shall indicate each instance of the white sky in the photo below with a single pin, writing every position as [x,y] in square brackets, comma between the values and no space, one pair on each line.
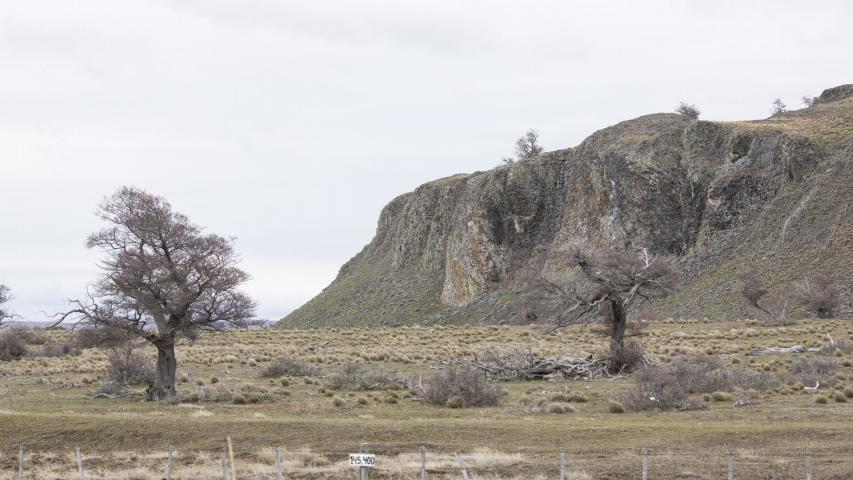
[290,124]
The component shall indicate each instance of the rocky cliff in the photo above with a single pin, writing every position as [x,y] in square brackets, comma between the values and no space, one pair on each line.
[772,195]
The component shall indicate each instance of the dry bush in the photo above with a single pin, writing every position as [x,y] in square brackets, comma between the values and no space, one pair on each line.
[129,367]
[811,371]
[527,146]
[461,387]
[627,357]
[59,349]
[774,308]
[13,344]
[819,296]
[670,386]
[354,376]
[689,111]
[102,337]
[290,367]
[778,106]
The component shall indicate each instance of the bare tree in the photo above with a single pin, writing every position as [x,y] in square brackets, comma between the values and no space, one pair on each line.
[755,293]
[616,281]
[778,106]
[5,296]
[752,289]
[808,101]
[163,278]
[689,111]
[528,146]
[818,295]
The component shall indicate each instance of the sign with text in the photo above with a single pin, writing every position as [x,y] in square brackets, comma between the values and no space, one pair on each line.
[362,460]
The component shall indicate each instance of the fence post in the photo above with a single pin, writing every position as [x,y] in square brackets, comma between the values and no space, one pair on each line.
[731,465]
[645,464]
[462,466]
[364,472]
[79,463]
[279,474]
[562,464]
[231,458]
[423,464]
[224,464]
[809,465]
[169,465]
[21,464]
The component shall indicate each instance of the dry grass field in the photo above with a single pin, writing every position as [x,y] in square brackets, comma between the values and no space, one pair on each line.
[47,407]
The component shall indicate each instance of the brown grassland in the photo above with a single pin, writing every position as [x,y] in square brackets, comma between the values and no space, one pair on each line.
[47,408]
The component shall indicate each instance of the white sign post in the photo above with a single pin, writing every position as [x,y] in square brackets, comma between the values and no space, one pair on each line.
[362,460]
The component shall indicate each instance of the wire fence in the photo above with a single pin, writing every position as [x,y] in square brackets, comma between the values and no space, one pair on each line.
[424,462]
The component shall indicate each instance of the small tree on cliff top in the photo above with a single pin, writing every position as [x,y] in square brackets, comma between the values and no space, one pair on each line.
[4,298]
[616,281]
[163,278]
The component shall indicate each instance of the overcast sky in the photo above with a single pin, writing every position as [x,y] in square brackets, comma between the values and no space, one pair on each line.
[290,124]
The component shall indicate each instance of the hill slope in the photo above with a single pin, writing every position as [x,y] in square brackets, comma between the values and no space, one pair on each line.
[773,195]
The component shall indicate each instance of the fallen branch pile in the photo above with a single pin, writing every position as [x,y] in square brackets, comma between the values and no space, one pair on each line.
[782,350]
[520,364]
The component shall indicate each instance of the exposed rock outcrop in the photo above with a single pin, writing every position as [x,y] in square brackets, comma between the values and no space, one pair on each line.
[723,196]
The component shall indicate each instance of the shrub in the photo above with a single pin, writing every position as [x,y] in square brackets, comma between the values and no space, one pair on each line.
[13,345]
[840,397]
[821,400]
[689,111]
[778,106]
[466,384]
[818,295]
[559,408]
[128,367]
[815,370]
[627,357]
[721,397]
[615,407]
[110,388]
[354,376]
[291,367]
[670,385]
[60,349]
[848,392]
[101,337]
[338,402]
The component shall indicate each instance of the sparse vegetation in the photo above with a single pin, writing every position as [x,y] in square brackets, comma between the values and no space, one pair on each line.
[62,403]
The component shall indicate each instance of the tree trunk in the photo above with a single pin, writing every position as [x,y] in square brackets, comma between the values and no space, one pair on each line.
[618,322]
[166,367]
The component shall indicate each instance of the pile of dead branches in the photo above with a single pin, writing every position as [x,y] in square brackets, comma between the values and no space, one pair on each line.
[519,363]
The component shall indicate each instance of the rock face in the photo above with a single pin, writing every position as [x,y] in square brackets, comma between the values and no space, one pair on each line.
[773,195]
